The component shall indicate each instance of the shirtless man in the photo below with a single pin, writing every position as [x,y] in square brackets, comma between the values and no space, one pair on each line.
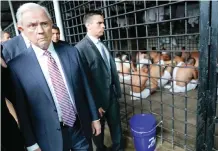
[125,64]
[142,58]
[140,83]
[118,61]
[165,55]
[125,68]
[158,70]
[186,55]
[186,77]
[178,59]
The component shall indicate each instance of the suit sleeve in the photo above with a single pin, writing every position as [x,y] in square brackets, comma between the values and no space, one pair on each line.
[116,81]
[5,54]
[21,107]
[87,88]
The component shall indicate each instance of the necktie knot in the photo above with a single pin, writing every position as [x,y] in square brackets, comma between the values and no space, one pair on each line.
[47,53]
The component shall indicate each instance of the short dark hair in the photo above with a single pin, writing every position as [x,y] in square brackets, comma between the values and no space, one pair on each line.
[145,65]
[153,48]
[2,33]
[191,61]
[168,53]
[55,27]
[89,14]
[183,48]
[179,54]
[142,51]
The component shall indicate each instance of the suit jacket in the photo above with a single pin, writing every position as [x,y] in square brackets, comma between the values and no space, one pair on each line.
[34,103]
[62,42]
[13,47]
[98,73]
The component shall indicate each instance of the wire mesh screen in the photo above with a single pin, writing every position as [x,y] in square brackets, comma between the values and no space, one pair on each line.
[50,8]
[11,30]
[72,14]
[155,46]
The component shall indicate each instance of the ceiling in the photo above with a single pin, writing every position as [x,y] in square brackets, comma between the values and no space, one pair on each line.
[6,17]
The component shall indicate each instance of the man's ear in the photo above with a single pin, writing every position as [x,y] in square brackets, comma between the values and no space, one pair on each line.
[19,27]
[87,26]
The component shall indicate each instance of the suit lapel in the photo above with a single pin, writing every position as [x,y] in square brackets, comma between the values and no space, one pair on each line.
[64,60]
[63,57]
[112,63]
[37,74]
[21,44]
[92,46]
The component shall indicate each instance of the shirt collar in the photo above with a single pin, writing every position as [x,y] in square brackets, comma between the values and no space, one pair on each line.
[39,52]
[93,39]
[26,40]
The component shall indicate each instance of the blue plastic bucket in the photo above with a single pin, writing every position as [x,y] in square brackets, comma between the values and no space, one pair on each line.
[143,129]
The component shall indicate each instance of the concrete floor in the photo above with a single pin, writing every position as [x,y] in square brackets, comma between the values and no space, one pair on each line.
[177,111]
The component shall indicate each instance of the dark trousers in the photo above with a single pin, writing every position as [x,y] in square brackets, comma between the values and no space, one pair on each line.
[74,139]
[112,115]
[11,138]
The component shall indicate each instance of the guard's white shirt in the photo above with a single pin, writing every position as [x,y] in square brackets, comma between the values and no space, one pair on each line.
[98,44]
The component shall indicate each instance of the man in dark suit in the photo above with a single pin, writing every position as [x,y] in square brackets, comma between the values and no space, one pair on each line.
[4,36]
[103,79]
[56,35]
[53,101]
[14,47]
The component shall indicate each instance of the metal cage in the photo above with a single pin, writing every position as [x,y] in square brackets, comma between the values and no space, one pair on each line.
[162,27]
[50,8]
[145,39]
[11,30]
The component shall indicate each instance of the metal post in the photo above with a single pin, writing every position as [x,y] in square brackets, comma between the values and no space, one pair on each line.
[58,18]
[13,17]
[212,97]
[203,76]
[107,25]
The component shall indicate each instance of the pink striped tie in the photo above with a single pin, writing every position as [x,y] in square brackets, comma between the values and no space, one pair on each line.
[68,112]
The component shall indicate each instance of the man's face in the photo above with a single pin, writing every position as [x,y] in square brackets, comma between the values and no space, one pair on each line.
[96,26]
[185,55]
[37,27]
[6,37]
[165,57]
[145,68]
[55,35]
[153,54]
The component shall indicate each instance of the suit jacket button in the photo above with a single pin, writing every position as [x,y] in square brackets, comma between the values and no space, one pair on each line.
[55,110]
[58,129]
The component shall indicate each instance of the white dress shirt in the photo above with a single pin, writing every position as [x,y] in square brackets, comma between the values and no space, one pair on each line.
[26,40]
[99,45]
[42,59]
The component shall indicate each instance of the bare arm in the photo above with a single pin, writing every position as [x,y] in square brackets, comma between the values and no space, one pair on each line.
[194,73]
[144,75]
[132,67]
